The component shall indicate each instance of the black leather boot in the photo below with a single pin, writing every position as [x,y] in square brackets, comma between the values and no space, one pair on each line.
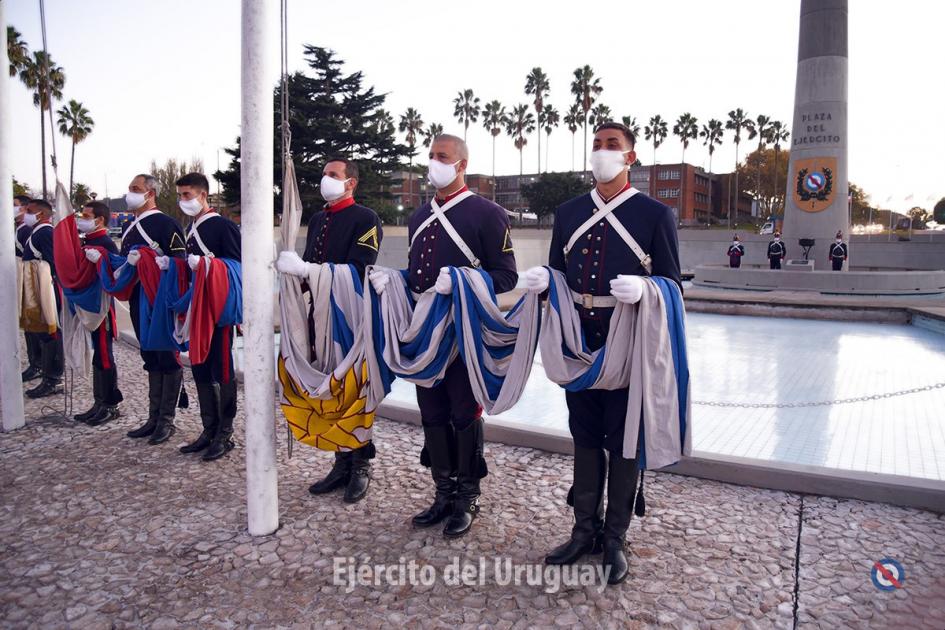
[337,477]
[221,442]
[208,418]
[587,498]
[34,358]
[360,477]
[621,487]
[155,391]
[170,391]
[52,370]
[470,468]
[439,453]
[97,406]
[111,398]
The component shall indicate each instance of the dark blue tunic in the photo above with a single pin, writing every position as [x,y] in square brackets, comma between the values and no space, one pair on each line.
[600,255]
[100,238]
[220,236]
[41,239]
[351,234]
[22,234]
[483,225]
[164,230]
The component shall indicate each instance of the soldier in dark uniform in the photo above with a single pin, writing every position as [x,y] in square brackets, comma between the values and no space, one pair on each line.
[152,228]
[34,359]
[217,237]
[602,269]
[39,246]
[735,252]
[343,232]
[776,251]
[451,417]
[838,252]
[93,225]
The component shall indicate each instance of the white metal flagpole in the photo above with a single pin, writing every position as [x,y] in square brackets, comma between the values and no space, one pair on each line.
[260,41]
[11,384]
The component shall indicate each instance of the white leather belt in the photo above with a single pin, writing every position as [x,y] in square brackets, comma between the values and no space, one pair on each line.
[593,301]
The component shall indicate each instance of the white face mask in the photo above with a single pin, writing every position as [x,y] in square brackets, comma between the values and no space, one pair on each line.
[441,175]
[85,225]
[332,188]
[736,243]
[839,240]
[29,220]
[190,207]
[135,200]
[777,239]
[607,165]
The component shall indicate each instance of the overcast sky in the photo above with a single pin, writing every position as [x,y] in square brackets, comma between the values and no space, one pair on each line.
[162,79]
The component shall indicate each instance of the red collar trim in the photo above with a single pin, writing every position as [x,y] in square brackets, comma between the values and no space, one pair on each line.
[341,205]
[96,233]
[614,196]
[455,194]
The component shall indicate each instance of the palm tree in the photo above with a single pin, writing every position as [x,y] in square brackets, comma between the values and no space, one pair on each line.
[76,124]
[712,132]
[779,134]
[585,89]
[493,119]
[760,127]
[737,120]
[17,51]
[520,123]
[537,85]
[656,131]
[412,124]
[551,119]
[430,133]
[466,109]
[687,128]
[573,119]
[599,115]
[630,122]
[46,80]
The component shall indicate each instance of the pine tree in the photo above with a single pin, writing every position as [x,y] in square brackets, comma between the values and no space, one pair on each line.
[331,114]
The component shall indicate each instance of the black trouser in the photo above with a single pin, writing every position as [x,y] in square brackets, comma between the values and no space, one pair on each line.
[34,352]
[837,264]
[51,354]
[154,360]
[103,359]
[218,368]
[449,402]
[775,262]
[596,418]
[735,262]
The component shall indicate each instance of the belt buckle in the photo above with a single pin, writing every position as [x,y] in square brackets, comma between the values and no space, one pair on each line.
[587,301]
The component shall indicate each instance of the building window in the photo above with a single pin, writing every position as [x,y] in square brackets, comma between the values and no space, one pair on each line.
[668,193]
[639,176]
[668,175]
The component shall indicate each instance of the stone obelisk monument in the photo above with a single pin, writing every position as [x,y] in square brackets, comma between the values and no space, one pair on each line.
[816,201]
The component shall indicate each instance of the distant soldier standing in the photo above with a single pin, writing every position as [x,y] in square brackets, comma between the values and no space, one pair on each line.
[735,252]
[776,251]
[838,252]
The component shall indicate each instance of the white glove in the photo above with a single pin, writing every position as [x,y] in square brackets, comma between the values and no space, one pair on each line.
[537,279]
[93,255]
[133,257]
[378,280]
[444,282]
[627,289]
[163,262]
[192,261]
[291,263]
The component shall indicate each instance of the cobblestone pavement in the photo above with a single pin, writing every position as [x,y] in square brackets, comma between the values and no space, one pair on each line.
[98,530]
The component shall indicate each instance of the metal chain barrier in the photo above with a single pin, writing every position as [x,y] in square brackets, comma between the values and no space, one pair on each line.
[820,403]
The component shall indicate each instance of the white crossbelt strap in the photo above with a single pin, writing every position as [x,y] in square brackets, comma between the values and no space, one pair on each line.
[195,234]
[29,241]
[779,248]
[136,224]
[837,251]
[605,212]
[438,213]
